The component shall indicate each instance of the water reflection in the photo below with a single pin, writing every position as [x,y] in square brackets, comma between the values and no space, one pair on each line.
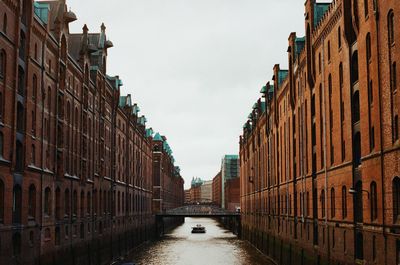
[216,247]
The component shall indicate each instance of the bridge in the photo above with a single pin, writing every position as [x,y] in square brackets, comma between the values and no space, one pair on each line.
[231,220]
[198,210]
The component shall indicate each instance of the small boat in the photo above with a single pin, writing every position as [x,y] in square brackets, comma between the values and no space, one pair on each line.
[198,229]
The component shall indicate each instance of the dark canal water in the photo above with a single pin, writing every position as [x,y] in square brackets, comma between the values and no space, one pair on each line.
[217,247]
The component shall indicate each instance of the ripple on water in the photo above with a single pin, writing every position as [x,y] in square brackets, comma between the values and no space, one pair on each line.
[217,247]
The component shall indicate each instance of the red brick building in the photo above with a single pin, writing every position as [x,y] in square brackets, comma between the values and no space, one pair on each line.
[167,182]
[217,189]
[195,194]
[232,194]
[320,151]
[76,165]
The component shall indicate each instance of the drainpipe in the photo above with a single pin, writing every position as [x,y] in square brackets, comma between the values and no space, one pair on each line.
[376,13]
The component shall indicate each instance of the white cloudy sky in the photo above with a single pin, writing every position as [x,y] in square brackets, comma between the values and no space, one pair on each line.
[194,66]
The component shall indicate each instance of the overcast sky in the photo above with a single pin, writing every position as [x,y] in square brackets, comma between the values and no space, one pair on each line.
[195,67]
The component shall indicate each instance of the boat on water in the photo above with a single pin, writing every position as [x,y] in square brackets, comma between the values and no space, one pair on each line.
[198,229]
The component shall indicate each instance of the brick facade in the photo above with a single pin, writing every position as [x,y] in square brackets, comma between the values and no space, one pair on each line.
[217,189]
[168,184]
[76,166]
[320,152]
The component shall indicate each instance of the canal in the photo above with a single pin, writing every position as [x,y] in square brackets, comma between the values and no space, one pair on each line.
[217,247]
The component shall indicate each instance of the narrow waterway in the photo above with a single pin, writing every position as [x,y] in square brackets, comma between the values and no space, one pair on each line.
[216,247]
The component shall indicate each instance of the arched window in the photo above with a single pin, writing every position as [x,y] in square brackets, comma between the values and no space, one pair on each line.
[17,204]
[391,27]
[329,51]
[357,149]
[63,49]
[2,201]
[322,203]
[1,144]
[396,128]
[33,129]
[88,201]
[33,155]
[341,74]
[3,65]
[82,204]
[354,67]
[19,163]
[374,201]
[119,202]
[68,111]
[67,206]
[36,52]
[344,202]
[356,107]
[58,204]
[32,202]
[75,203]
[333,204]
[396,199]
[34,87]
[20,117]
[366,8]
[5,22]
[368,47]
[339,38]
[21,81]
[393,78]
[22,46]
[49,99]
[47,201]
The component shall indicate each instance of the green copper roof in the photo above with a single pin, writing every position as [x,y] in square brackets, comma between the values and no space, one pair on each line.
[42,11]
[157,137]
[300,43]
[142,120]
[197,182]
[263,106]
[149,132]
[135,109]
[319,11]
[282,76]
[122,101]
[263,89]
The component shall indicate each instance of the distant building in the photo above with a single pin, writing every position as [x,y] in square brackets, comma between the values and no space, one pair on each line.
[206,191]
[229,170]
[195,190]
[217,189]
[187,196]
[232,194]
[167,181]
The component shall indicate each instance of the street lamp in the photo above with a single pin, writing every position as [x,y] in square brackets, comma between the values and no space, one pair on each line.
[354,191]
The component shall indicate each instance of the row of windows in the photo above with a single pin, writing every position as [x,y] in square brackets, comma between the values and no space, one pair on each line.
[99,202]
[283,204]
